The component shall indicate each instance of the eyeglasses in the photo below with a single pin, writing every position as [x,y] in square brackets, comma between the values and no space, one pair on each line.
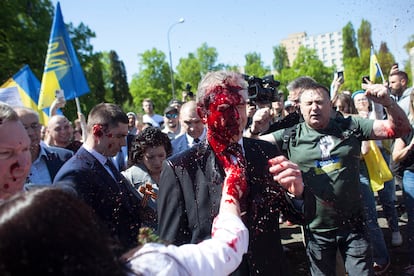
[171,115]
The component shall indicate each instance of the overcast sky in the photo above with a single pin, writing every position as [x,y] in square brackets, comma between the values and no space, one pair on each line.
[233,27]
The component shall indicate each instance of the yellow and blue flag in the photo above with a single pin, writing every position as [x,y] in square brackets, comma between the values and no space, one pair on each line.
[62,68]
[28,86]
[374,67]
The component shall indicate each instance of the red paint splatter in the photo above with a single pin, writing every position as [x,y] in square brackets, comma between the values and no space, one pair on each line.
[390,132]
[223,123]
[232,244]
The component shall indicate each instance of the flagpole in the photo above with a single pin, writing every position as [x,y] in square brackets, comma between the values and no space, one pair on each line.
[78,105]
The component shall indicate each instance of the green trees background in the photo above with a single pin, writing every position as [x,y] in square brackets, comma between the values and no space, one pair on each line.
[25,29]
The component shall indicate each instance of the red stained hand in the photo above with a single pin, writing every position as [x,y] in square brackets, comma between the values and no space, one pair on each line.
[287,174]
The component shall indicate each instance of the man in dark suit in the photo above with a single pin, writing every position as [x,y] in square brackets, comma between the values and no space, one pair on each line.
[191,181]
[46,161]
[91,174]
[192,127]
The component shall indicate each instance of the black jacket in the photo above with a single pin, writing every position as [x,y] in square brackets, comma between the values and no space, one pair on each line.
[189,199]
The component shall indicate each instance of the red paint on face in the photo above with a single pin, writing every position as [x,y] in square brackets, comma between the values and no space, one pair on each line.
[223,124]
[224,119]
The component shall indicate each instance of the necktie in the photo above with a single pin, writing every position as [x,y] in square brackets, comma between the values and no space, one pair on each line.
[236,150]
[113,169]
[196,140]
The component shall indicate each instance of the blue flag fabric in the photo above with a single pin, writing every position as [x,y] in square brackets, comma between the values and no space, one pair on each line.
[62,68]
[28,86]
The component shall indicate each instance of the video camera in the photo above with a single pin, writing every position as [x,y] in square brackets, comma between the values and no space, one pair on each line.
[262,90]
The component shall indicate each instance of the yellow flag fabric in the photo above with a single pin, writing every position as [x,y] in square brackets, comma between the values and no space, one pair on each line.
[62,68]
[28,86]
[378,169]
[374,67]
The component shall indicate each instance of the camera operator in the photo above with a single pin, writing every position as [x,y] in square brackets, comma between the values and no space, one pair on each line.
[263,116]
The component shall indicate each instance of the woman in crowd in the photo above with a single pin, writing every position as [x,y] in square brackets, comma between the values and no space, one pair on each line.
[403,154]
[148,151]
[49,232]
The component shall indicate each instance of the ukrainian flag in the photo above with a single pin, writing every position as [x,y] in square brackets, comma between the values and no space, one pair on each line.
[374,67]
[62,68]
[28,86]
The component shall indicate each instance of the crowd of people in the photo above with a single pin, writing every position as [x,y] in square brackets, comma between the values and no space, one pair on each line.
[210,177]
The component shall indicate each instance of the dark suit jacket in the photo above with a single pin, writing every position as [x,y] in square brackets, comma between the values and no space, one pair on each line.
[112,201]
[189,199]
[55,158]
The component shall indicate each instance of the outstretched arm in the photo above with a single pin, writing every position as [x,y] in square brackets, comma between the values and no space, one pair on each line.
[397,123]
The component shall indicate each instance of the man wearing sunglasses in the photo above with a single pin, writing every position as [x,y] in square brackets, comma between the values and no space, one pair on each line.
[171,122]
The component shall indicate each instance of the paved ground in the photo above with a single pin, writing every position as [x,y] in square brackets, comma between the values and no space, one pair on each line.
[292,240]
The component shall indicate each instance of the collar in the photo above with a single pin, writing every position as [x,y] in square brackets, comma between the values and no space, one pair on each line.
[202,137]
[101,158]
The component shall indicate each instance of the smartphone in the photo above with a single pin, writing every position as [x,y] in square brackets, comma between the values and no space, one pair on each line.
[365,79]
[340,76]
[59,94]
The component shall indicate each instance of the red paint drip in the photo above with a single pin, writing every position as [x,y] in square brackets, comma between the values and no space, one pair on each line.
[232,244]
[223,124]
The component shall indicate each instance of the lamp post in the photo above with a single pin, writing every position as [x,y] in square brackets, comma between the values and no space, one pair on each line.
[181,20]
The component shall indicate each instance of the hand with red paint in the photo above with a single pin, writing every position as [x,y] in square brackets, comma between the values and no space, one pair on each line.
[287,174]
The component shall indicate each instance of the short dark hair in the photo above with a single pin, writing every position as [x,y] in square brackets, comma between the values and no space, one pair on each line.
[47,231]
[106,114]
[401,74]
[148,138]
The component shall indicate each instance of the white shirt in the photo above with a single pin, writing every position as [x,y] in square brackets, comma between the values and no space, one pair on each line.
[219,255]
[39,173]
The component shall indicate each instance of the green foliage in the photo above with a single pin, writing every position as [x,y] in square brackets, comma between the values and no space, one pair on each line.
[153,81]
[349,42]
[280,60]
[24,35]
[195,66]
[385,58]
[119,84]
[254,65]
[307,63]
[188,71]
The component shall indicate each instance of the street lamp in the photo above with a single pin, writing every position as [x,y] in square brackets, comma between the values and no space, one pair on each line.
[181,20]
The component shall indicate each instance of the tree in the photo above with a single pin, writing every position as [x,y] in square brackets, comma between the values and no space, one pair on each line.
[207,56]
[24,35]
[254,65]
[119,83]
[153,80]
[188,71]
[307,63]
[365,43]
[385,59]
[349,42]
[280,60]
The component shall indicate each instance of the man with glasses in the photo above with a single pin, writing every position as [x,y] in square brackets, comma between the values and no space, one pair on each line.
[92,175]
[171,122]
[46,161]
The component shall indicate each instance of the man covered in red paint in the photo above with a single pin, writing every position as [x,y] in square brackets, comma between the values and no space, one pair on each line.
[191,181]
